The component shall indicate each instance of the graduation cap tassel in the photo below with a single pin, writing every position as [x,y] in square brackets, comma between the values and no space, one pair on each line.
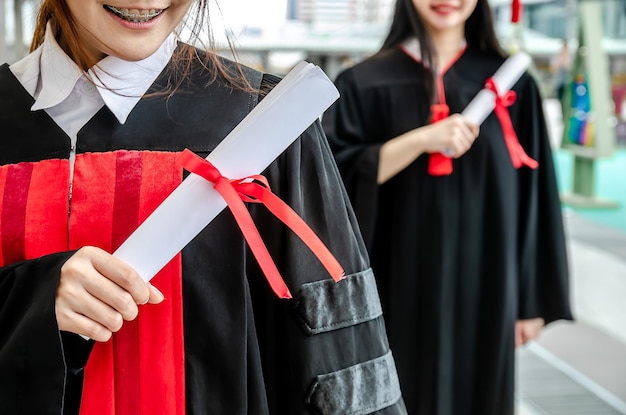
[516,11]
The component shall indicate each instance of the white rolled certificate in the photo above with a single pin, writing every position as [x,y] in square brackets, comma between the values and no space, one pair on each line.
[505,77]
[292,106]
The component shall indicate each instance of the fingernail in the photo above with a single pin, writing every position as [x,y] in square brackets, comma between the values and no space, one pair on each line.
[156,290]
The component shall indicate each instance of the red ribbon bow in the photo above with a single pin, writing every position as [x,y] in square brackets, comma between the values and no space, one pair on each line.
[255,189]
[438,163]
[518,155]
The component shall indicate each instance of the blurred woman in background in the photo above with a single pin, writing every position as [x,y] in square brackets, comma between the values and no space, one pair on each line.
[463,223]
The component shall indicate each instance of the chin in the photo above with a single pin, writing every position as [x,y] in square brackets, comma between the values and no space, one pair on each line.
[133,55]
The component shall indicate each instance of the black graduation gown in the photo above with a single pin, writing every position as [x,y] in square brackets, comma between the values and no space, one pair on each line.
[246,351]
[458,258]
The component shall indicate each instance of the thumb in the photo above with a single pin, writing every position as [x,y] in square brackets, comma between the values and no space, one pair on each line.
[155,295]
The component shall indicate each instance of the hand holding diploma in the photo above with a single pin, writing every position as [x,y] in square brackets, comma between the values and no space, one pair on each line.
[504,78]
[297,101]
[495,96]
[498,97]
[98,291]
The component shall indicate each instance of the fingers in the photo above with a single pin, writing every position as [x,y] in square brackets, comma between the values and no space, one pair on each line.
[527,330]
[474,129]
[155,295]
[452,136]
[121,274]
[72,321]
[532,328]
[460,136]
[97,292]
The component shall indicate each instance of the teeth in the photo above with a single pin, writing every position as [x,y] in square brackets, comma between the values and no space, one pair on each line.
[135,15]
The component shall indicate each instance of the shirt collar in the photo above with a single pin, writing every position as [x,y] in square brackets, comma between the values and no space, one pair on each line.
[57,74]
[121,84]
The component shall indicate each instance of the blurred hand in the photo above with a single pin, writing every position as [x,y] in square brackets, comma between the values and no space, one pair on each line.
[452,136]
[97,292]
[527,330]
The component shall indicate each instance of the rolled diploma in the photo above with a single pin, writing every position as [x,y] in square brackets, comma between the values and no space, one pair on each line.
[289,109]
[505,77]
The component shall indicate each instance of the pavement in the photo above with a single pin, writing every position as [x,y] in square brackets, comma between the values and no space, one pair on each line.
[579,367]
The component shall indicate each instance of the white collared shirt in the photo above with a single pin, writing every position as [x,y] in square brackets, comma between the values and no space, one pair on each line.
[61,89]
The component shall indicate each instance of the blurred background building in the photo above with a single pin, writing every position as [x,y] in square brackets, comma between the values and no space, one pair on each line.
[338,11]
[574,368]
[343,31]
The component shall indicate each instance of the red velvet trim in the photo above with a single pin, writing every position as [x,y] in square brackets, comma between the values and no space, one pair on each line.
[128,170]
[141,370]
[99,383]
[161,174]
[91,223]
[3,177]
[91,217]
[127,187]
[33,209]
[13,219]
[47,208]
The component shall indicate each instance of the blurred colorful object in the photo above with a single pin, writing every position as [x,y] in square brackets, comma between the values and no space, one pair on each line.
[581,128]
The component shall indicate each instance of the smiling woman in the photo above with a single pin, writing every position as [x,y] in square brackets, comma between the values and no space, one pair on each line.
[94,121]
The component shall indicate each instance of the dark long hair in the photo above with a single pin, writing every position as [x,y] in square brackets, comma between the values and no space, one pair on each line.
[479,33]
[197,21]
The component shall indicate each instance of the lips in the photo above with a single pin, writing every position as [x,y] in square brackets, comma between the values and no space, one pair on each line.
[444,8]
[134,15]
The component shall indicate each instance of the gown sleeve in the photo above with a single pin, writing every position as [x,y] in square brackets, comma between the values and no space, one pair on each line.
[353,136]
[544,274]
[37,362]
[326,349]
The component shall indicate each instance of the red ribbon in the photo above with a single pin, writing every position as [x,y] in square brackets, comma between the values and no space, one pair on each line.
[256,189]
[516,11]
[438,163]
[518,155]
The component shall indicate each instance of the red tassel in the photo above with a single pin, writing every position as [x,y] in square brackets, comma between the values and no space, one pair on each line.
[516,11]
[439,164]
